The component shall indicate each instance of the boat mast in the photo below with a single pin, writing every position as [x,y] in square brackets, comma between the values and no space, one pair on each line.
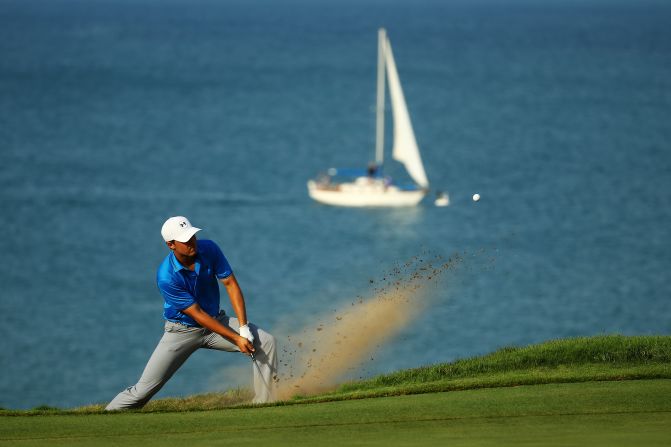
[379,134]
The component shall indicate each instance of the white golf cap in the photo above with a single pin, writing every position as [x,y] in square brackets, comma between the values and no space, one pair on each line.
[178,228]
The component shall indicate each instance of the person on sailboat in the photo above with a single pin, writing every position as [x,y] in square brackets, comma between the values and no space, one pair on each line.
[188,278]
[372,169]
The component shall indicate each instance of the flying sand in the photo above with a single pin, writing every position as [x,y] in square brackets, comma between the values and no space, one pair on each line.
[319,356]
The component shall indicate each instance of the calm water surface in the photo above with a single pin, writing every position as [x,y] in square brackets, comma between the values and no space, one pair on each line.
[117,115]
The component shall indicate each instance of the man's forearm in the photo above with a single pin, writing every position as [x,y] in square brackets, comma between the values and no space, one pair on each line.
[236,298]
[238,304]
[206,321]
[202,318]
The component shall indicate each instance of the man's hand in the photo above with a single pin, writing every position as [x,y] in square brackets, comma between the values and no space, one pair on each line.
[245,346]
[245,332]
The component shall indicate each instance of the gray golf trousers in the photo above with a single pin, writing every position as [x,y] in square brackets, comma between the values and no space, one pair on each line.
[179,342]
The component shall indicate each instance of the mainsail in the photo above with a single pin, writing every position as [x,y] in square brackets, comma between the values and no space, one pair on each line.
[405,146]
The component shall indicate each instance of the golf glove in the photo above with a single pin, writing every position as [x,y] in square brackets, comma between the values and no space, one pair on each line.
[245,332]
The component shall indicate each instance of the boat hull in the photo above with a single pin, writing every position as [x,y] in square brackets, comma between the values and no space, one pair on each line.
[364,193]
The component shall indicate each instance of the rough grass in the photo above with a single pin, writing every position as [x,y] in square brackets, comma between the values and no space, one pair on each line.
[609,350]
[599,353]
[601,358]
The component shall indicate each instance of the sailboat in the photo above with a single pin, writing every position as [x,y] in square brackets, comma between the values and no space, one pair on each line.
[370,187]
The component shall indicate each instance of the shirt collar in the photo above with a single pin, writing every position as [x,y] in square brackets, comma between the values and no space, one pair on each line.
[177,266]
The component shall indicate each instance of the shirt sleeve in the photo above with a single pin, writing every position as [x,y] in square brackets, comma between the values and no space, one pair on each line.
[175,296]
[221,266]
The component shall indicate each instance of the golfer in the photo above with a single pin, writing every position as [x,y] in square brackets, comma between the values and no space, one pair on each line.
[188,279]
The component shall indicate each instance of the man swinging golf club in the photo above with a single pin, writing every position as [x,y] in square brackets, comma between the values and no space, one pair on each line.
[188,278]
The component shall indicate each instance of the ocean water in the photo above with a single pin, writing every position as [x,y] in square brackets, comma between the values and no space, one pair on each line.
[115,115]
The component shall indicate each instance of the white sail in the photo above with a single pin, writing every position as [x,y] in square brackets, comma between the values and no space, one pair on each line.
[405,146]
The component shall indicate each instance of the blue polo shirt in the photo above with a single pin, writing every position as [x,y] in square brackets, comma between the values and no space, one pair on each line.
[182,287]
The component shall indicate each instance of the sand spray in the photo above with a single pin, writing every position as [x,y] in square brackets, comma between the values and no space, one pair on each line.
[316,358]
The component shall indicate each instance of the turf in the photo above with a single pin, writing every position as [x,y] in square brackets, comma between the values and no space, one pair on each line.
[600,358]
[607,390]
[589,413]
[600,352]
[583,359]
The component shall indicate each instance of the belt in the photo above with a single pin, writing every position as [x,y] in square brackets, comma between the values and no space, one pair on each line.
[221,312]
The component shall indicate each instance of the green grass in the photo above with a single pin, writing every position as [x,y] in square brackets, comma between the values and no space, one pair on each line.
[589,413]
[600,358]
[607,390]
[608,357]
[602,351]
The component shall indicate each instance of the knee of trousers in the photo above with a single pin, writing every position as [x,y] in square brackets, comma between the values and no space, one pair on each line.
[268,341]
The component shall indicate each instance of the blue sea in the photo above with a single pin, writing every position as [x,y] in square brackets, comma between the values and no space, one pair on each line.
[115,115]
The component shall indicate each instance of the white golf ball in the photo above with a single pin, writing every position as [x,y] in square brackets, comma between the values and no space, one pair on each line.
[476,197]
